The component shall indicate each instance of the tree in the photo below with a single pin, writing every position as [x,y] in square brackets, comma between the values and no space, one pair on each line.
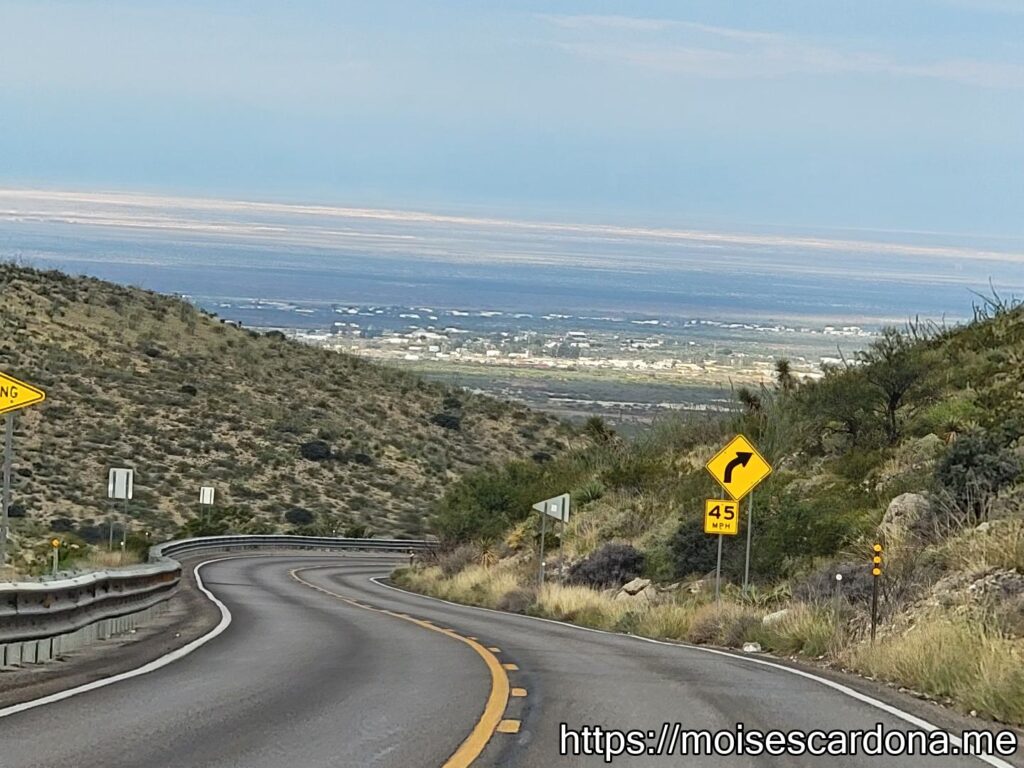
[598,430]
[750,400]
[841,402]
[895,367]
[784,377]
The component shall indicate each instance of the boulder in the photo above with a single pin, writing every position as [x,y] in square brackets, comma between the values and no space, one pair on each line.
[637,599]
[636,585]
[751,647]
[697,587]
[906,517]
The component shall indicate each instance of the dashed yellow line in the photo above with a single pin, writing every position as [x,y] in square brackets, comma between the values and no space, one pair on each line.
[509,726]
[490,721]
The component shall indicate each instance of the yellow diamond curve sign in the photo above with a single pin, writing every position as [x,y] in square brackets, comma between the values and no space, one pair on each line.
[16,394]
[738,467]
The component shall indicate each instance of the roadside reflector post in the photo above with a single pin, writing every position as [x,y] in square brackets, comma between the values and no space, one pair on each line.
[876,573]
[838,598]
[55,544]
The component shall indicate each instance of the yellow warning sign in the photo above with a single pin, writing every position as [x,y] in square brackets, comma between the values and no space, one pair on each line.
[16,394]
[738,467]
[722,516]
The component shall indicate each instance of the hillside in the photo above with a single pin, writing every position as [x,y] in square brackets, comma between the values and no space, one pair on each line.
[291,436]
[915,443]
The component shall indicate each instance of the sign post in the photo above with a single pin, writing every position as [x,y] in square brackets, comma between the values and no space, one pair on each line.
[750,533]
[55,544]
[721,518]
[206,494]
[739,468]
[14,395]
[558,508]
[120,485]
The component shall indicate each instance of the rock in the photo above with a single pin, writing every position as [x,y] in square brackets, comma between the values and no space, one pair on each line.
[636,585]
[906,517]
[751,647]
[983,527]
[696,587]
[643,597]
[775,618]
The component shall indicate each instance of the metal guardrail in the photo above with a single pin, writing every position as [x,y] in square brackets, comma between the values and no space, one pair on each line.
[37,611]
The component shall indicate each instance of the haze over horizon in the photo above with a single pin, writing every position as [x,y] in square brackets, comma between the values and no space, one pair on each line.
[795,117]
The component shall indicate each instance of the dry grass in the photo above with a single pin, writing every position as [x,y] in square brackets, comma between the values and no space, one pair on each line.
[581,605]
[1001,546]
[101,559]
[804,630]
[961,661]
[475,585]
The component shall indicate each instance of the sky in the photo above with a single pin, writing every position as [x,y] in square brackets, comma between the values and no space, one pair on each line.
[795,115]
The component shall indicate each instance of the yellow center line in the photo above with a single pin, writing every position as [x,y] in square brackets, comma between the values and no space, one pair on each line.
[491,718]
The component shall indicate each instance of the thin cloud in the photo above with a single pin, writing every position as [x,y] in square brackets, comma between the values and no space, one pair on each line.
[700,50]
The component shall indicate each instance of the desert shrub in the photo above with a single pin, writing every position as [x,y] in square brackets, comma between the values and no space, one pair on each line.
[91,534]
[976,468]
[299,516]
[541,457]
[188,389]
[358,457]
[725,624]
[447,421]
[610,566]
[62,525]
[485,503]
[455,560]
[591,491]
[517,600]
[356,531]
[693,551]
[803,630]
[635,471]
[315,450]
[16,510]
[819,585]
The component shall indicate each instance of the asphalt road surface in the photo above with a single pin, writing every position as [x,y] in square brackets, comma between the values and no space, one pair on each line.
[331,669]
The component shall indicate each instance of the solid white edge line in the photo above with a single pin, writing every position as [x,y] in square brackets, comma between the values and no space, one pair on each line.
[163,661]
[992,760]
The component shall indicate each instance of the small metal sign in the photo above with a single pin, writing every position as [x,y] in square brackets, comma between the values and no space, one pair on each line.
[120,483]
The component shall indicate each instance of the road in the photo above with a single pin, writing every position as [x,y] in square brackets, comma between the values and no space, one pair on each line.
[322,667]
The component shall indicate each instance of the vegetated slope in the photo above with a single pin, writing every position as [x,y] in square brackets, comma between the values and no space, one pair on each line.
[289,435]
[916,443]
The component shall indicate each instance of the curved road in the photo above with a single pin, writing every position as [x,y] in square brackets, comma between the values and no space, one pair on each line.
[322,667]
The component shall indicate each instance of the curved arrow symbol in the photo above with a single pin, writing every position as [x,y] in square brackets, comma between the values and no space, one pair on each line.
[741,460]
